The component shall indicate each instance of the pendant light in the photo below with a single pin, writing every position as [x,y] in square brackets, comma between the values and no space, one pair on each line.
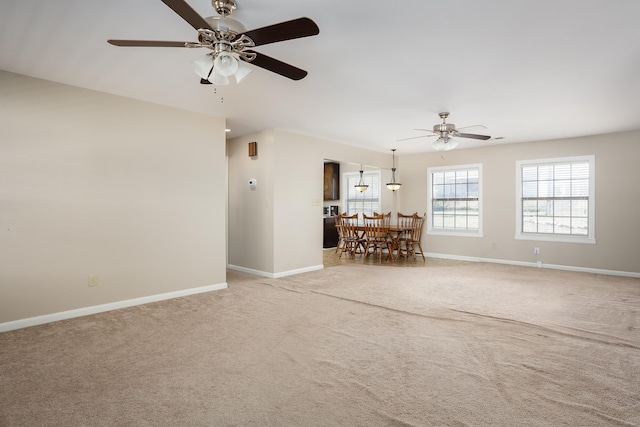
[393,185]
[361,186]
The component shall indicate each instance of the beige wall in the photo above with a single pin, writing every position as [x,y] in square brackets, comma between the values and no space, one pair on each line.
[97,184]
[277,229]
[250,228]
[134,192]
[617,245]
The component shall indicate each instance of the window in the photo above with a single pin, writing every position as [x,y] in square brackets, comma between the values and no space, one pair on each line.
[366,202]
[556,199]
[455,200]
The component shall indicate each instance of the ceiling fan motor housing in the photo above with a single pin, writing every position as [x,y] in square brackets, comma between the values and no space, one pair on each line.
[444,127]
[224,7]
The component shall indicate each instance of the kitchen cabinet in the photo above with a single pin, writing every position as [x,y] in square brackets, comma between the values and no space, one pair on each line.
[330,235]
[332,181]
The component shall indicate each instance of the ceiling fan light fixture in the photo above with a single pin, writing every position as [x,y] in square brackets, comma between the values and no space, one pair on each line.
[445,144]
[243,71]
[218,79]
[218,70]
[225,64]
[202,66]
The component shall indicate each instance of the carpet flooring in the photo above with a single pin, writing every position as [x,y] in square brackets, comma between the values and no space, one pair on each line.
[469,344]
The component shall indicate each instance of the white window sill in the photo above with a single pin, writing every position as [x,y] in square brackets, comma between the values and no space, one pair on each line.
[556,238]
[455,233]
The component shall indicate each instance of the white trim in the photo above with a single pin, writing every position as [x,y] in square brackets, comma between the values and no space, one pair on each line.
[535,264]
[453,232]
[560,238]
[589,239]
[274,275]
[86,311]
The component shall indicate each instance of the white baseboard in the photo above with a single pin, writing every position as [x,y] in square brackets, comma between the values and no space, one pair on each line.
[274,275]
[535,264]
[85,311]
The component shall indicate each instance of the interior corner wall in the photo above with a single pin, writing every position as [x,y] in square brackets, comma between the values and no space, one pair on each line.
[95,184]
[251,209]
[617,196]
[276,229]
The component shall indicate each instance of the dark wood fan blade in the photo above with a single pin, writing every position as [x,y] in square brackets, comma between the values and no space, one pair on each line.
[147,43]
[278,67]
[187,13]
[473,136]
[294,29]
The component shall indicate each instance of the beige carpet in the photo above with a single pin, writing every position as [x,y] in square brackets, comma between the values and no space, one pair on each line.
[352,345]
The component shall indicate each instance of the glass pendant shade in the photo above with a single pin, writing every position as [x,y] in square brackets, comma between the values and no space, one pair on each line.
[393,185]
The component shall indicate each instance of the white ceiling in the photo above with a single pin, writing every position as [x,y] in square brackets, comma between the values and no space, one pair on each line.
[528,70]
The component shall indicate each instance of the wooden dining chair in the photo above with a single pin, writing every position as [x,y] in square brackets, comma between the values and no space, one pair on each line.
[376,236]
[349,234]
[405,222]
[386,217]
[387,220]
[340,245]
[415,238]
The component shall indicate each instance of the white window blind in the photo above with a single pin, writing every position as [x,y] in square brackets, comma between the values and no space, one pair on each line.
[455,204]
[556,199]
[366,202]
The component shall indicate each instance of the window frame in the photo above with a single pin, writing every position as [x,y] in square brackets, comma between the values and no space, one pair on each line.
[451,231]
[557,237]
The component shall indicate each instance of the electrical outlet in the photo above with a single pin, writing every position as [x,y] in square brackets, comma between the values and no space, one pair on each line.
[494,246]
[93,280]
[536,251]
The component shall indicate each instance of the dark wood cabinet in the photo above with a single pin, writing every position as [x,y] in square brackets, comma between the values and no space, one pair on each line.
[330,236]
[332,181]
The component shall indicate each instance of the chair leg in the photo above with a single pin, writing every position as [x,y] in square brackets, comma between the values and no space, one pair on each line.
[341,248]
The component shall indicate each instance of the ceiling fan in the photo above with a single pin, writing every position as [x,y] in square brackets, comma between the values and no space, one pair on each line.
[446,131]
[230,43]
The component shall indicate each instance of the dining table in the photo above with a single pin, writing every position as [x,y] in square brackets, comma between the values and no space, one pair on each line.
[394,232]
